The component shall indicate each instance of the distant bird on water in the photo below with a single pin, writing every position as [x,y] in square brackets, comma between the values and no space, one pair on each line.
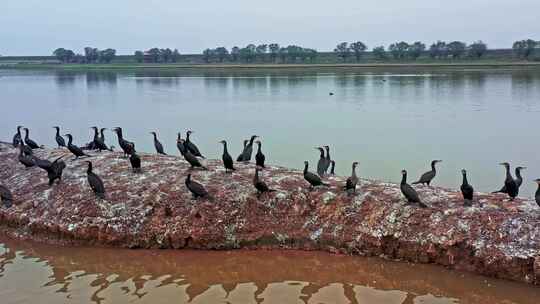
[410,194]
[5,196]
[127,146]
[427,177]
[350,185]
[190,146]
[17,139]
[259,157]
[537,195]
[260,185]
[196,189]
[95,182]
[466,189]
[245,156]
[510,185]
[75,150]
[227,159]
[59,139]
[312,178]
[135,162]
[32,144]
[158,145]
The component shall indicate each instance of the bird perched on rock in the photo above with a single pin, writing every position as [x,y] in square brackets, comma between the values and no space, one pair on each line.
[427,177]
[135,162]
[260,185]
[350,185]
[321,164]
[259,157]
[196,189]
[332,167]
[127,146]
[313,179]
[245,156]
[328,159]
[54,169]
[75,150]
[98,143]
[467,190]
[190,146]
[5,196]
[537,195]
[194,161]
[158,145]
[518,180]
[17,139]
[58,138]
[410,194]
[227,159]
[26,160]
[180,144]
[510,185]
[32,144]
[95,182]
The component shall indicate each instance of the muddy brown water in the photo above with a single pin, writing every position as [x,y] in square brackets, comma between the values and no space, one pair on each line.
[38,273]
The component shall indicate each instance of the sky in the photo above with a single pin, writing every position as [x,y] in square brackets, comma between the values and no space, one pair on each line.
[37,27]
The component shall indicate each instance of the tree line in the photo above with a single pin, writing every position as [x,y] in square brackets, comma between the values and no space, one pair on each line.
[91,55]
[272,52]
[157,55]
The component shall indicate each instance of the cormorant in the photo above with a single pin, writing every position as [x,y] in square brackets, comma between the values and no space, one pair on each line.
[352,180]
[17,139]
[127,146]
[195,188]
[5,196]
[193,160]
[190,146]
[135,161]
[311,178]
[180,145]
[328,159]
[59,139]
[245,156]
[518,179]
[510,185]
[78,152]
[410,194]
[98,141]
[26,160]
[537,194]
[227,159]
[54,169]
[331,93]
[95,182]
[158,145]
[332,167]
[427,177]
[322,162]
[26,149]
[466,189]
[261,186]
[259,157]
[32,144]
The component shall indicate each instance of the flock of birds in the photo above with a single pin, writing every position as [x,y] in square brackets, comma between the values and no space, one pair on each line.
[193,156]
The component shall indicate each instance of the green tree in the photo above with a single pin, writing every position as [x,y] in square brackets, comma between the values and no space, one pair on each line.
[343,51]
[64,55]
[438,49]
[399,50]
[379,53]
[235,53]
[175,56]
[283,54]
[416,49]
[274,51]
[261,51]
[165,55]
[222,53]
[139,56]
[207,55]
[358,49]
[154,54]
[524,48]
[477,49]
[91,54]
[107,55]
[456,49]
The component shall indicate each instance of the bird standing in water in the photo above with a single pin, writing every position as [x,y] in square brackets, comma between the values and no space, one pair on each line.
[95,182]
[467,190]
[196,189]
[227,159]
[59,139]
[78,152]
[350,185]
[410,194]
[312,178]
[17,139]
[259,157]
[32,144]
[158,145]
[427,177]
[260,185]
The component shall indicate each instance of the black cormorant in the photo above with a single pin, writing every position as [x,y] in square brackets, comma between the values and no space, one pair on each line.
[95,182]
[195,188]
[26,149]
[193,160]
[466,189]
[322,162]
[135,162]
[245,156]
[227,159]
[259,157]
[510,185]
[32,144]
[17,139]
[180,144]
[311,178]
[352,180]
[54,169]
[190,146]
[78,152]
[5,196]
[537,194]
[260,185]
[328,159]
[332,167]
[59,139]
[127,146]
[410,194]
[427,177]
[26,160]
[99,141]
[158,145]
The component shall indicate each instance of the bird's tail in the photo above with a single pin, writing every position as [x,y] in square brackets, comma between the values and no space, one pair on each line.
[417,182]
[422,205]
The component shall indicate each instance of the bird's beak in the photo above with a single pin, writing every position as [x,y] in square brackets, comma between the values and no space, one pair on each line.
[502,164]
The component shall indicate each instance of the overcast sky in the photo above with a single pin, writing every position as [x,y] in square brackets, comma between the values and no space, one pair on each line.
[36,27]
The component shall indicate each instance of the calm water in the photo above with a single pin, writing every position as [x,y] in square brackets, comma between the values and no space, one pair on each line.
[33,273]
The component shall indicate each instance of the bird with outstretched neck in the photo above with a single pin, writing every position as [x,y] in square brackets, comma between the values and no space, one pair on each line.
[259,156]
[32,144]
[227,158]
[17,138]
[313,179]
[260,185]
[75,150]
[427,177]
[467,190]
[158,145]
[127,146]
[510,185]
[95,182]
[245,156]
[352,181]
[190,146]
[196,189]
[410,194]
[321,164]
[58,138]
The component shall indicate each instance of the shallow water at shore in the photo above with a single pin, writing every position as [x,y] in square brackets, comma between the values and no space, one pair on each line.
[37,273]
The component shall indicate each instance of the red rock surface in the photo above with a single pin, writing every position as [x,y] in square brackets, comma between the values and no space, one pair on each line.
[154,209]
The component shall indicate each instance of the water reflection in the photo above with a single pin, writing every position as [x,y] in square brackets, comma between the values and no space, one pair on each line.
[80,275]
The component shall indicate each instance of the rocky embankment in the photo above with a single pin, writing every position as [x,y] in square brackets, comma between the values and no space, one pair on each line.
[154,209]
